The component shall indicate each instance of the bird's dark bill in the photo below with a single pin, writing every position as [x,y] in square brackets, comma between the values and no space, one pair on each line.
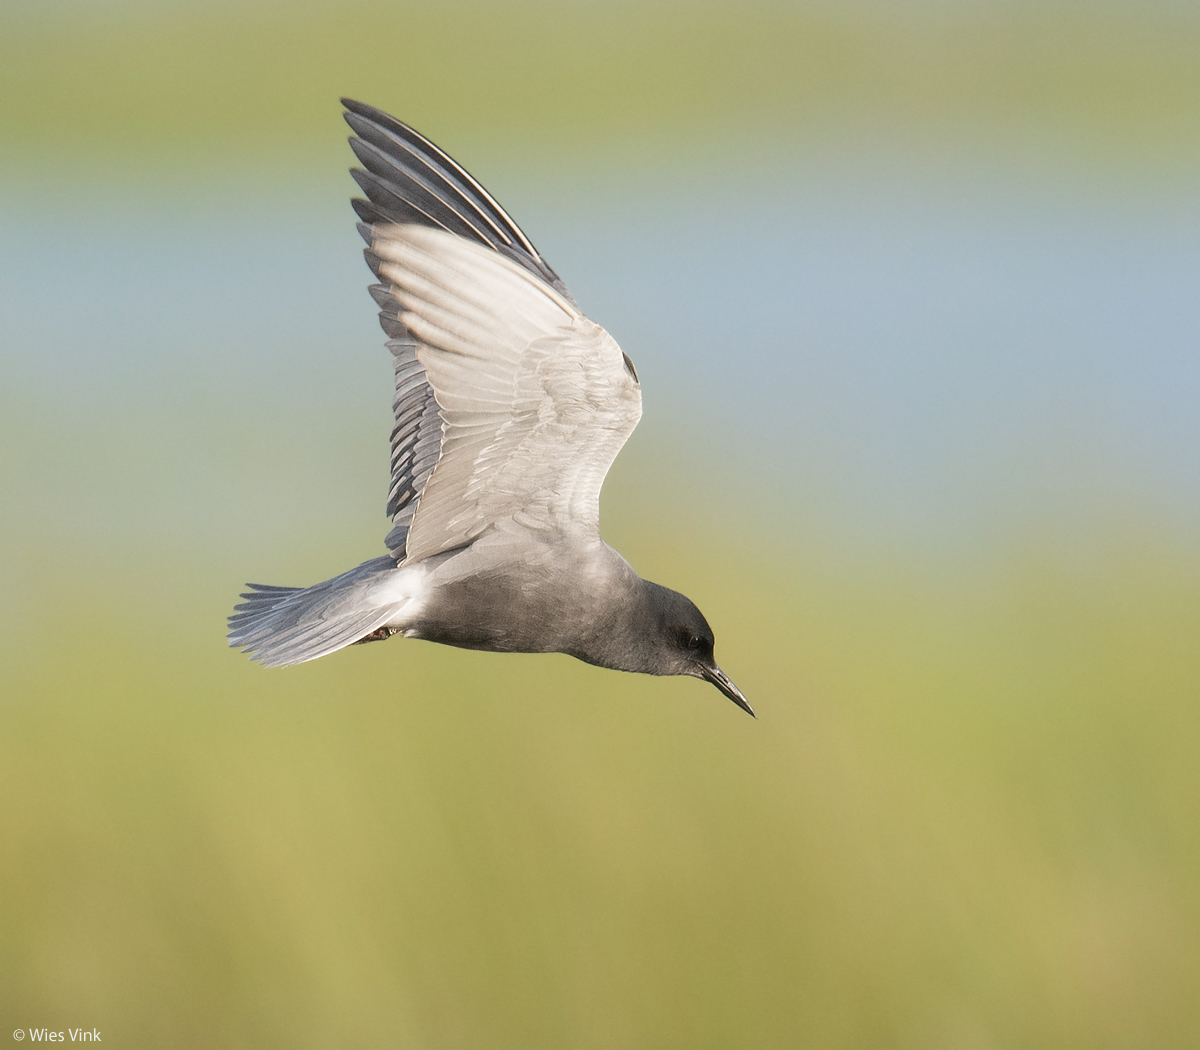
[721,680]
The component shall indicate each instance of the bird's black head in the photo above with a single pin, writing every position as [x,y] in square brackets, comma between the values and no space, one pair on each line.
[685,643]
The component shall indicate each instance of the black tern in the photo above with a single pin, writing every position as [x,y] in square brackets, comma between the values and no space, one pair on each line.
[510,407]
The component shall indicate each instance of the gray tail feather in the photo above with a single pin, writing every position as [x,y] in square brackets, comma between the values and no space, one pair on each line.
[280,626]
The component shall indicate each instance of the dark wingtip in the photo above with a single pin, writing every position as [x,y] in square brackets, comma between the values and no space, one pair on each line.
[353,108]
[376,116]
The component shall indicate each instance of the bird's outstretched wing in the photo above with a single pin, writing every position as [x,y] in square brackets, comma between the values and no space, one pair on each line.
[510,404]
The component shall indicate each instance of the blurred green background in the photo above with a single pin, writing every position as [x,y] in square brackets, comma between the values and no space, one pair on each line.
[912,289]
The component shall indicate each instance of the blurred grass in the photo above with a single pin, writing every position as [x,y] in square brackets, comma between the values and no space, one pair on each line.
[208,85]
[966,818]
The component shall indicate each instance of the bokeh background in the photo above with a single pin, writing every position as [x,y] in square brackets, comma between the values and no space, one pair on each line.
[914,291]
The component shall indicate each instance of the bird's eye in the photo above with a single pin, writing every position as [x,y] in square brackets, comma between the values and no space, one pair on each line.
[694,643]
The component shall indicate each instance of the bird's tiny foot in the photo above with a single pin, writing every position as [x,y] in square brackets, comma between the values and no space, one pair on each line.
[377,635]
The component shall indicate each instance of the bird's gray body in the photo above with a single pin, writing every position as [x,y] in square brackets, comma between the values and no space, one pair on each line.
[510,407]
[481,601]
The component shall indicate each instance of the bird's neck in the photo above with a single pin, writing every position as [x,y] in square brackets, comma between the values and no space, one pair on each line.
[624,625]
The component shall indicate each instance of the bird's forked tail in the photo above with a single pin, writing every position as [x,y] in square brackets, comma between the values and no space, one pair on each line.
[280,626]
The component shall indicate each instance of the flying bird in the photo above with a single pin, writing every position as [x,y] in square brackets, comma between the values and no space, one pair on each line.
[510,407]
